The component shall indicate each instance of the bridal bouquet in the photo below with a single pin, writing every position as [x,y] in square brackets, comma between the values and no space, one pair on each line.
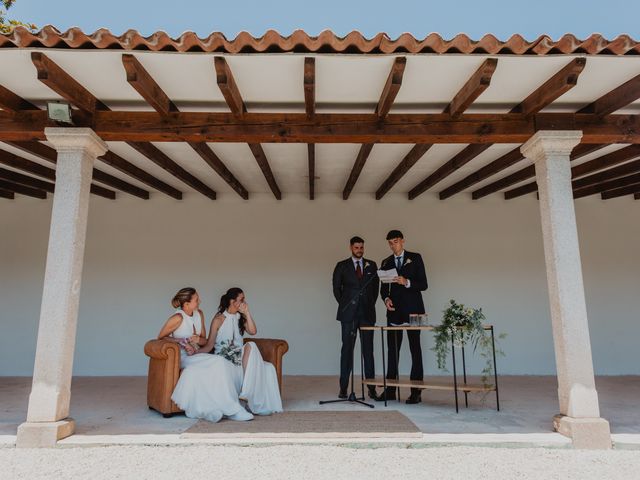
[231,352]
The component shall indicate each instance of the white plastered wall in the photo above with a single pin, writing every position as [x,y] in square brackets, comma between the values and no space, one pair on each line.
[485,253]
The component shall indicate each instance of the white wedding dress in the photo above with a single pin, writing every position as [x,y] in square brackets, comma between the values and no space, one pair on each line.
[210,386]
[258,384]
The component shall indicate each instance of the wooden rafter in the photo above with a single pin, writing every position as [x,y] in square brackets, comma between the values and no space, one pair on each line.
[22,189]
[605,161]
[391,87]
[228,87]
[465,156]
[146,86]
[14,161]
[330,127]
[155,96]
[219,167]
[616,99]
[474,87]
[505,161]
[388,95]
[7,194]
[47,153]
[66,86]
[310,86]
[26,180]
[636,196]
[311,153]
[11,102]
[528,172]
[309,82]
[410,159]
[559,84]
[231,94]
[621,192]
[608,185]
[609,174]
[157,156]
[358,165]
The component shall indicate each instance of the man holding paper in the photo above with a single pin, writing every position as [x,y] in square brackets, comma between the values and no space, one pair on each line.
[401,292]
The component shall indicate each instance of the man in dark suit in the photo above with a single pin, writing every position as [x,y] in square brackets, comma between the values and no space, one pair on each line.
[402,298]
[355,287]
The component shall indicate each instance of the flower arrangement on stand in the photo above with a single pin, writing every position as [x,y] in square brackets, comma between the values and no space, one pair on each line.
[466,326]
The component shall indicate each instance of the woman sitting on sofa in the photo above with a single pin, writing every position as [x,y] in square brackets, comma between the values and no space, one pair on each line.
[207,387]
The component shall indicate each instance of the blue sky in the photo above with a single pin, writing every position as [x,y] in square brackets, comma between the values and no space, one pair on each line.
[500,17]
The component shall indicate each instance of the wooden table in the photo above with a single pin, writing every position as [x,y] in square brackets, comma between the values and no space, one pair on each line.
[452,386]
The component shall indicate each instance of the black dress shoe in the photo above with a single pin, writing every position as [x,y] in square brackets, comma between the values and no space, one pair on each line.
[391,395]
[343,393]
[372,393]
[413,399]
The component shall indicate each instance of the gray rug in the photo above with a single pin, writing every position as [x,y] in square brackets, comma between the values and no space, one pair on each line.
[317,424]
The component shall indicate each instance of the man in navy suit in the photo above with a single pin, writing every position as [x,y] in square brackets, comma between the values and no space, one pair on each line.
[355,287]
[402,298]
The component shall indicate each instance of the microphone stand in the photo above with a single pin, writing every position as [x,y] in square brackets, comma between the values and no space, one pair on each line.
[352,398]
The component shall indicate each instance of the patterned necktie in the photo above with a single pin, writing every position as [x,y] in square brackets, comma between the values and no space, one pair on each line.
[358,270]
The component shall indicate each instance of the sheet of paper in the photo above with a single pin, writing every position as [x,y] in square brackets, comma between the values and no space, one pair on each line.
[387,276]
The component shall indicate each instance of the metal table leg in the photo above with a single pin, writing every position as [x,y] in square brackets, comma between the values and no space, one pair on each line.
[464,375]
[495,370]
[384,368]
[455,375]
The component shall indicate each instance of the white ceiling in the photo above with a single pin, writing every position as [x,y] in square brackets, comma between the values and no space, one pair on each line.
[344,83]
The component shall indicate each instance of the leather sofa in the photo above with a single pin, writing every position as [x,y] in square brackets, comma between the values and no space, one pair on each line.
[164,369]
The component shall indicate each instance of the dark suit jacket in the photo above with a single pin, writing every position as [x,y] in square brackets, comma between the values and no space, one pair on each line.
[405,300]
[346,286]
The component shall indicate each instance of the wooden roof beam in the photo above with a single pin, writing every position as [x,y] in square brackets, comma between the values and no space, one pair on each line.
[229,89]
[358,165]
[621,192]
[146,86]
[462,158]
[47,153]
[559,84]
[529,172]
[23,190]
[409,160]
[26,180]
[474,87]
[219,167]
[608,185]
[616,99]
[391,87]
[7,194]
[605,161]
[310,86]
[13,103]
[14,161]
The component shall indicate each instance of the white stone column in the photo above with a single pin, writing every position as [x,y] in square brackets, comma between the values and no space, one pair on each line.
[48,414]
[579,410]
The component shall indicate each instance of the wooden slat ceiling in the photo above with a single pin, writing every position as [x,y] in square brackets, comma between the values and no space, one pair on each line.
[478,164]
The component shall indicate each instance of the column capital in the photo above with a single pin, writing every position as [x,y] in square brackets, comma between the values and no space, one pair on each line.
[73,139]
[550,142]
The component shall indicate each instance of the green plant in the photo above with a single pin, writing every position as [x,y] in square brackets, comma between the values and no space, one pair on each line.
[6,25]
[466,326]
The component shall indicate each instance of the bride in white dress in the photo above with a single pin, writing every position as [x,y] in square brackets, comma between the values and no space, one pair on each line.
[256,380]
[208,384]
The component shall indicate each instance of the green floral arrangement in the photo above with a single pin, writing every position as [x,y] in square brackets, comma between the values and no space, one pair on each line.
[466,325]
[231,352]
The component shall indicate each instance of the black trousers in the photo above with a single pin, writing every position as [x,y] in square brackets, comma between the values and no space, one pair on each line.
[346,353]
[394,342]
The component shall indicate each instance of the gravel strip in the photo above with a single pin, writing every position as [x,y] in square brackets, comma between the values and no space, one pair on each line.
[316,462]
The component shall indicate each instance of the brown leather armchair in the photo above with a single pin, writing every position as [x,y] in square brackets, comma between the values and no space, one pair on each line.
[164,369]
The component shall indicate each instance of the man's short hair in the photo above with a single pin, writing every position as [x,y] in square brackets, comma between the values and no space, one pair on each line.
[356,239]
[394,234]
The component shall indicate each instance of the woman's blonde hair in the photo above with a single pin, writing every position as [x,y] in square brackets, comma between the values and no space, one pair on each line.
[183,296]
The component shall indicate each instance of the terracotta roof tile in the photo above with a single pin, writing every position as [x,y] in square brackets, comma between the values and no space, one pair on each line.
[326,42]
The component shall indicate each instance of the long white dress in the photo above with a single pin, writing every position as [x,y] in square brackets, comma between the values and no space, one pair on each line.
[258,384]
[208,384]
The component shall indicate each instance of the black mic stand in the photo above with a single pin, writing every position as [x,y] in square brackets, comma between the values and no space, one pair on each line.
[352,398]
